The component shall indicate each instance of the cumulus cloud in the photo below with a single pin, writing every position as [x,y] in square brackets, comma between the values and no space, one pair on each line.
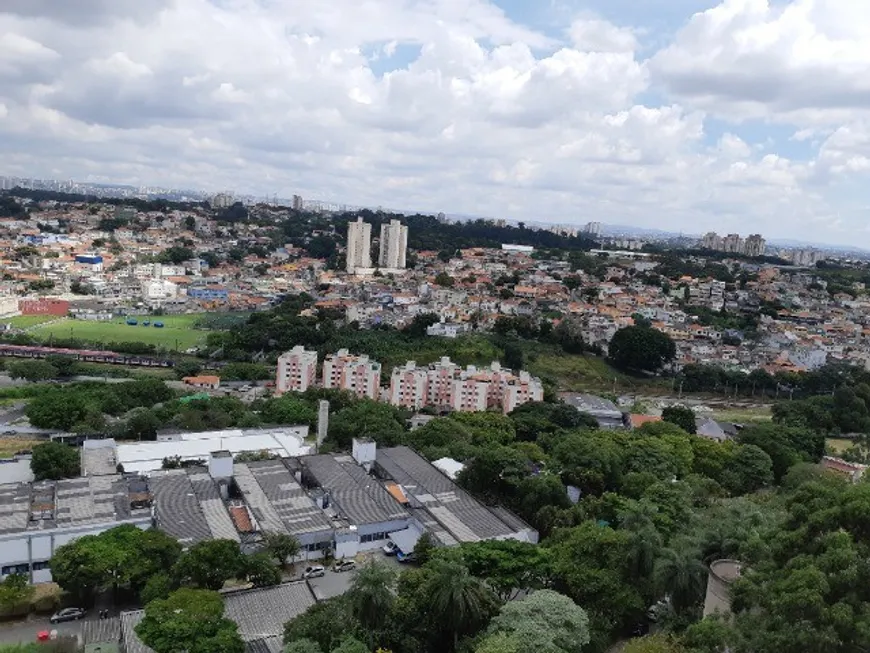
[485,115]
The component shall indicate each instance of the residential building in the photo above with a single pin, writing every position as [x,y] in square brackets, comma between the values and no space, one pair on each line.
[754,245]
[712,240]
[359,246]
[356,374]
[206,381]
[408,385]
[297,370]
[520,390]
[297,203]
[732,244]
[394,245]
[592,229]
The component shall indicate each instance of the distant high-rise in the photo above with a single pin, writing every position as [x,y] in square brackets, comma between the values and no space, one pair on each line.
[297,203]
[754,245]
[394,245]
[359,246]
[733,244]
[221,201]
[712,240]
[592,229]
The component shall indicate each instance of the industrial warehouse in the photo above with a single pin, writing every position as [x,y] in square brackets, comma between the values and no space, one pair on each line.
[343,504]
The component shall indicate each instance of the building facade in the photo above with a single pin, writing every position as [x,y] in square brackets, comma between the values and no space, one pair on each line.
[408,385]
[394,245]
[357,374]
[359,246]
[297,370]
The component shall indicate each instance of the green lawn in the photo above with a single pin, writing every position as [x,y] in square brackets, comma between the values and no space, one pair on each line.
[587,373]
[24,321]
[178,330]
[838,445]
[743,415]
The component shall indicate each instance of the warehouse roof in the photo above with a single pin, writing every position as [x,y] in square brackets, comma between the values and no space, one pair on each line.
[463,517]
[263,612]
[69,503]
[177,508]
[355,495]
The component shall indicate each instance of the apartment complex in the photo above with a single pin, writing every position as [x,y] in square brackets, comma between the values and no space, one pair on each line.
[297,370]
[446,386]
[359,246]
[357,374]
[753,245]
[394,245]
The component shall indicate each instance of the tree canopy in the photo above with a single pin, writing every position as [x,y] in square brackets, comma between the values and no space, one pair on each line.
[641,349]
[55,460]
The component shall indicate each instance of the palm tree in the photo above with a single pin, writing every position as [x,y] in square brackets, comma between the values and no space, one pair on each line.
[458,600]
[371,596]
[682,576]
[644,547]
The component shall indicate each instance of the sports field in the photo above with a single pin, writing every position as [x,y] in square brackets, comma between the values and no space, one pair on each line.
[177,331]
[25,321]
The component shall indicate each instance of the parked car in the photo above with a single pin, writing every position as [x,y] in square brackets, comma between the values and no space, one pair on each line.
[344,565]
[67,614]
[390,549]
[406,557]
[315,571]
[10,432]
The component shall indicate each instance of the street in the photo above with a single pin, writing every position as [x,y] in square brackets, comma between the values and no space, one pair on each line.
[25,631]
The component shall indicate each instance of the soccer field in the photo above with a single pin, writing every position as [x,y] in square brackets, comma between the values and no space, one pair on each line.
[177,331]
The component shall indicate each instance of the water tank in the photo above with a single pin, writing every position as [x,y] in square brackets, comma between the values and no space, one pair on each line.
[719,579]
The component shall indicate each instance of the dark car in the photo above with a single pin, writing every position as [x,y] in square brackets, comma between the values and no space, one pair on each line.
[67,614]
[406,558]
[344,565]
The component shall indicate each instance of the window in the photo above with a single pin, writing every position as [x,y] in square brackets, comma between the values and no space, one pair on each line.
[43,564]
[23,568]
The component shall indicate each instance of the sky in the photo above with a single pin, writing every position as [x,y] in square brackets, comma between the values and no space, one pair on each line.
[747,116]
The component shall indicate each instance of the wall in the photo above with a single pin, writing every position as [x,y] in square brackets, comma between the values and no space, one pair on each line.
[59,307]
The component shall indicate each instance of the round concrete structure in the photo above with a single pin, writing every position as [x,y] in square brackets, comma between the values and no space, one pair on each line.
[722,574]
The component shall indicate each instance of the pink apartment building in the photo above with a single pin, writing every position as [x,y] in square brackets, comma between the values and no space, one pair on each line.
[356,374]
[408,386]
[297,370]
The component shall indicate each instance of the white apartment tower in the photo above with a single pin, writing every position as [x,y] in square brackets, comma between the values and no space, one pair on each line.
[297,370]
[356,374]
[394,245]
[754,245]
[359,246]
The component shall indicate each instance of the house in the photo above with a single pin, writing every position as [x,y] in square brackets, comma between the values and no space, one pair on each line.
[206,381]
[603,410]
[636,421]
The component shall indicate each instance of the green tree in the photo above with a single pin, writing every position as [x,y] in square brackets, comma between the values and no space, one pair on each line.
[366,419]
[351,645]
[185,368]
[458,601]
[54,461]
[210,564]
[142,424]
[681,416]
[281,546]
[371,596]
[591,565]
[33,371]
[423,549]
[750,469]
[499,643]
[681,576]
[544,622]
[444,280]
[303,646]
[421,322]
[326,622]
[15,593]
[289,410]
[189,621]
[441,437]
[641,349]
[260,570]
[509,566]
[159,586]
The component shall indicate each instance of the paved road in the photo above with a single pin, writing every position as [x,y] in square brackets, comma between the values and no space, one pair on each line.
[16,632]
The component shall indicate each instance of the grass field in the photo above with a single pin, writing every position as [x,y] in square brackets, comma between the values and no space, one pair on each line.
[838,445]
[743,415]
[25,321]
[10,445]
[578,373]
[178,330]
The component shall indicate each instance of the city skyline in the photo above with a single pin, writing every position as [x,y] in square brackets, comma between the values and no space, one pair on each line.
[512,106]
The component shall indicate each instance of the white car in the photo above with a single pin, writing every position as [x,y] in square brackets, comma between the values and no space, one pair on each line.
[390,548]
[313,572]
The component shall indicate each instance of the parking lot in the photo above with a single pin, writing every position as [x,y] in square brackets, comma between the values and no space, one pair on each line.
[337,583]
